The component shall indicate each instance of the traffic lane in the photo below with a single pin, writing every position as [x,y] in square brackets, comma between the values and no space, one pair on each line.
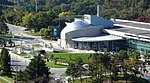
[56,72]
[18,62]
[15,29]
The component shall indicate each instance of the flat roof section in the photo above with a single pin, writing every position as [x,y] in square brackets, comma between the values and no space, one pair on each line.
[98,38]
[132,31]
[145,26]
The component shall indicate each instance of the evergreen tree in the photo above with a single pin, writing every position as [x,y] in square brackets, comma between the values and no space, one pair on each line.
[3,27]
[36,69]
[5,61]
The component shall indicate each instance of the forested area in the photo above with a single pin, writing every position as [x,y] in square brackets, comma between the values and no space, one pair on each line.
[23,13]
[124,9]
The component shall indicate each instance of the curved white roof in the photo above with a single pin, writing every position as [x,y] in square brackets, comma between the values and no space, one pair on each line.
[75,26]
[98,38]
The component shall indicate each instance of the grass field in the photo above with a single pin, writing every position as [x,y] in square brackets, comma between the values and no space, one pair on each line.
[22,55]
[67,57]
[9,36]
[52,65]
[8,78]
[2,81]
[36,45]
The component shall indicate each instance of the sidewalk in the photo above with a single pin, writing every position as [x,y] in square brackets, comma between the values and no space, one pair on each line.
[5,79]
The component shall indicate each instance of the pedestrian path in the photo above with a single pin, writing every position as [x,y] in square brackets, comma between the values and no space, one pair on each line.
[5,79]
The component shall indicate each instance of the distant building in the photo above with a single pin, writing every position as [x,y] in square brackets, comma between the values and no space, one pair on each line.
[97,33]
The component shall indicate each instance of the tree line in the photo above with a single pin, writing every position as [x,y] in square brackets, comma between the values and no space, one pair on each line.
[123,9]
[36,71]
[50,10]
[100,67]
[124,65]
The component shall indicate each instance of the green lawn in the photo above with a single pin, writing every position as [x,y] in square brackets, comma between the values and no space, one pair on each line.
[84,80]
[9,36]
[9,78]
[2,81]
[67,57]
[36,45]
[22,55]
[33,34]
[52,65]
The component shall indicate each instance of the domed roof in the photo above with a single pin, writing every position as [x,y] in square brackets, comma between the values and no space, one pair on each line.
[75,26]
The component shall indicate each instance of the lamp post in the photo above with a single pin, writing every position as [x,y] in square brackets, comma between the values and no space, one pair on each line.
[80,70]
[86,66]
[36,8]
[16,69]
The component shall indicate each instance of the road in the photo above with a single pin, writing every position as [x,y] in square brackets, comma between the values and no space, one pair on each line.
[56,72]
[18,62]
[15,29]
[19,31]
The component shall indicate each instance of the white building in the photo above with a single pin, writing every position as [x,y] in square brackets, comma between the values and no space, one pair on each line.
[88,34]
[96,33]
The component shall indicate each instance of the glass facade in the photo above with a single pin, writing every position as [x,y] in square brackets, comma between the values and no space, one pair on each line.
[139,46]
[103,46]
[142,47]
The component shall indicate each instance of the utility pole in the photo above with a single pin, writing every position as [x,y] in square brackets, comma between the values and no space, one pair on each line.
[18,4]
[36,8]
[16,70]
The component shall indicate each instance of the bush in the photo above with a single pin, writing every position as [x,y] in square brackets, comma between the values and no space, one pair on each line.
[137,79]
[42,52]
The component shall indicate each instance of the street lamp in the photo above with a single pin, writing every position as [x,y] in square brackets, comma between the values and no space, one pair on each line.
[16,69]
[36,8]
[86,66]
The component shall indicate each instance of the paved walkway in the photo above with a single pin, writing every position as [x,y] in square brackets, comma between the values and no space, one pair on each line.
[5,79]
[18,62]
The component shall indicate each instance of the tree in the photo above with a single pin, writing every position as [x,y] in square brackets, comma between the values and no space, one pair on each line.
[36,69]
[22,76]
[143,19]
[63,14]
[147,58]
[72,70]
[36,21]
[5,62]
[106,61]
[96,66]
[47,32]
[3,28]
[75,69]
[3,1]
[119,60]
[27,20]
[1,14]
[14,16]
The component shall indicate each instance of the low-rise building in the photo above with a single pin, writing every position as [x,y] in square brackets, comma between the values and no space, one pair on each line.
[97,33]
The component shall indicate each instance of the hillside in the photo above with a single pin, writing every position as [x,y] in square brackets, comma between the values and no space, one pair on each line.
[123,9]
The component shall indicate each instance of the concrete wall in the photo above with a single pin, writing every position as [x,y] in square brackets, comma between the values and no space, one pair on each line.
[101,21]
[94,20]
